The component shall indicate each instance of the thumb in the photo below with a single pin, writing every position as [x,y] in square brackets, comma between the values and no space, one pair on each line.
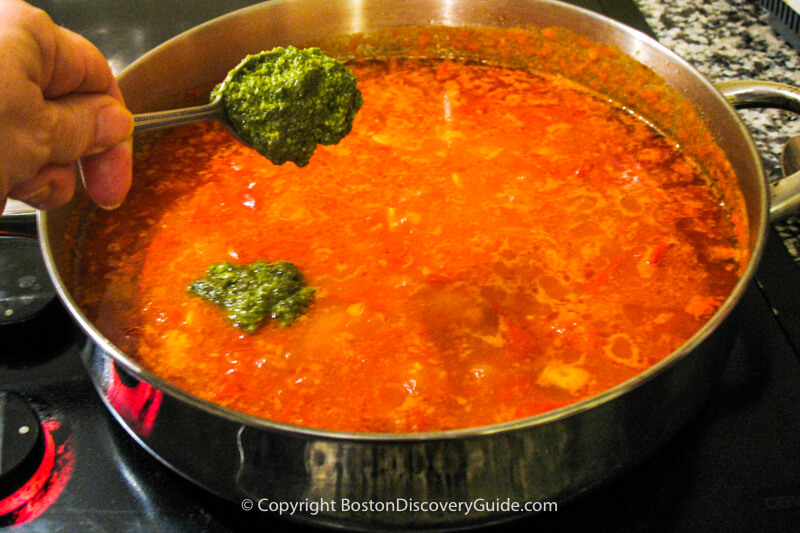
[85,124]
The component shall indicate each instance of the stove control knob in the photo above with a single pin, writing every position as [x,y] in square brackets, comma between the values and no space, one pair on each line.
[21,446]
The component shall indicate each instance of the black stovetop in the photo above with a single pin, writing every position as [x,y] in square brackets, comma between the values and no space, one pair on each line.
[734,467]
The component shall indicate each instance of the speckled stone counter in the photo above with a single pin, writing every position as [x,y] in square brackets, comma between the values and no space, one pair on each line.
[733,40]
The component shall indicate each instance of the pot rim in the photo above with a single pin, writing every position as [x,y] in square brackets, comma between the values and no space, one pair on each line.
[609,395]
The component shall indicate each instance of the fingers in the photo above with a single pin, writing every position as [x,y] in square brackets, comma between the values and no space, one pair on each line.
[60,61]
[88,124]
[53,186]
[106,177]
[82,125]
[77,67]
[95,128]
[60,104]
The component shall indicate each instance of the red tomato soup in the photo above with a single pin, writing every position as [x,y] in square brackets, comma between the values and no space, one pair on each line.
[487,244]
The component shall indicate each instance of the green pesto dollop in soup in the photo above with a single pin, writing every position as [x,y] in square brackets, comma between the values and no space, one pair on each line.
[286,101]
[251,294]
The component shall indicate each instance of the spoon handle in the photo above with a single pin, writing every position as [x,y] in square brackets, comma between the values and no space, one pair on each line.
[173,117]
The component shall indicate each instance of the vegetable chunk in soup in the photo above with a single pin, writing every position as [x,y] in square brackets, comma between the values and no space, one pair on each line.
[486,244]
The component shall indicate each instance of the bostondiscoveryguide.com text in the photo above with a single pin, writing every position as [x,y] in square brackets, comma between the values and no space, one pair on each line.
[399,505]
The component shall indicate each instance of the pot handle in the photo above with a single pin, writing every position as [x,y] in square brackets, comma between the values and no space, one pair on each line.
[784,193]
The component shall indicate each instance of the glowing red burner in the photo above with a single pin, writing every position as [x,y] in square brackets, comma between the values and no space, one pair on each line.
[34,469]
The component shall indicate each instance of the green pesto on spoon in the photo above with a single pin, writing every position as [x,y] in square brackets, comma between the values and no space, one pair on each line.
[282,102]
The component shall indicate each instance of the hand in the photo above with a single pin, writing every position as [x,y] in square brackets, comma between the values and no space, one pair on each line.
[59,103]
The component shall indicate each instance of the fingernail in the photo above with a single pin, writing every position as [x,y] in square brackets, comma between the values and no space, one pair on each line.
[110,207]
[114,125]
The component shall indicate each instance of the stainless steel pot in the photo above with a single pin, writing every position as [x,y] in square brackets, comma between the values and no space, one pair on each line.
[549,458]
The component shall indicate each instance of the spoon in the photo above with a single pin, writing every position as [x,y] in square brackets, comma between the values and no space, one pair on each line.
[215,110]
[281,103]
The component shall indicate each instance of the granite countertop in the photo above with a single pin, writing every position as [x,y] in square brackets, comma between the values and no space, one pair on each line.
[733,40]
